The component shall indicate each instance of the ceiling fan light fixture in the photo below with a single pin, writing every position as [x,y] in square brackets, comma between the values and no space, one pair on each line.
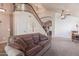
[62,17]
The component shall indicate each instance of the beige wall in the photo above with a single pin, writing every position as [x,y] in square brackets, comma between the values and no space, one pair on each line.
[63,27]
[25,23]
[5,22]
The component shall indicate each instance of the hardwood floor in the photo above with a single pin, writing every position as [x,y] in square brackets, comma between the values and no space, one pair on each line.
[2,47]
[63,47]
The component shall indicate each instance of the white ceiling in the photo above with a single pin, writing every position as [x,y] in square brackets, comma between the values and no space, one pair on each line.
[72,8]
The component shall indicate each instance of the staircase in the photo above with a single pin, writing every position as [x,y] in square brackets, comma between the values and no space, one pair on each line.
[29,8]
[38,19]
[44,25]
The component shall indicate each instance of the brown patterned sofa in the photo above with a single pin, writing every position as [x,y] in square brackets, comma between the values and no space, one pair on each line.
[28,45]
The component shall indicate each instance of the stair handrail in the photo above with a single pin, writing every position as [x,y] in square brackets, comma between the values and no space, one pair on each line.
[39,20]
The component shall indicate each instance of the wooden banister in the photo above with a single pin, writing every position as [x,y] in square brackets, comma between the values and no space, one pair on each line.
[39,20]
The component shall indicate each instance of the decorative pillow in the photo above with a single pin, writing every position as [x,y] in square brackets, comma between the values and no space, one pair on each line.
[36,38]
[43,37]
[13,52]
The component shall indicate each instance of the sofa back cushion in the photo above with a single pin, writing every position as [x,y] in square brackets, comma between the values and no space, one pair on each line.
[30,42]
[28,39]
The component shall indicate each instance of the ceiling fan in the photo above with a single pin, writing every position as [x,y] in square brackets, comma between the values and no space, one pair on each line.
[64,13]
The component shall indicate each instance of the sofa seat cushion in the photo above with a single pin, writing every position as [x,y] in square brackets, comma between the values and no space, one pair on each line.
[34,50]
[44,43]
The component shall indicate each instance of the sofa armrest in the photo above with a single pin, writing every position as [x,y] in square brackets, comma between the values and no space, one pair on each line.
[10,51]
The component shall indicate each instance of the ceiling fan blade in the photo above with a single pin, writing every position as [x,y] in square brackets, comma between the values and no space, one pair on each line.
[62,13]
